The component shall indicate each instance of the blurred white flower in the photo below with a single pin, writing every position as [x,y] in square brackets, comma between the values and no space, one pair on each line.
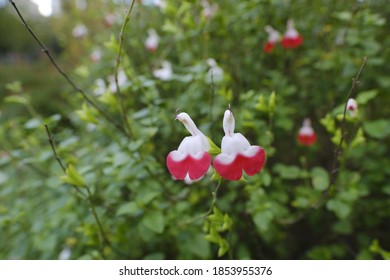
[65,253]
[109,19]
[151,42]
[96,55]
[100,87]
[158,3]
[165,72]
[340,36]
[91,127]
[80,31]
[81,4]
[122,80]
[209,10]
[215,73]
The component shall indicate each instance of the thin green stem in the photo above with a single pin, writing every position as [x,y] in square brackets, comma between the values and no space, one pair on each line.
[123,107]
[355,82]
[58,159]
[51,142]
[208,212]
[103,237]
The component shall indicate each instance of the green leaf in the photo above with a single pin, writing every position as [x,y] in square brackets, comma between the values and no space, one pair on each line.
[147,196]
[329,123]
[155,221]
[320,178]
[386,189]
[214,149]
[216,217]
[33,123]
[227,223]
[109,99]
[366,96]
[198,245]
[262,219]
[223,247]
[343,15]
[170,27]
[16,99]
[301,202]
[87,114]
[130,208]
[213,236]
[337,137]
[377,129]
[271,103]
[289,172]
[340,208]
[376,248]
[260,105]
[359,138]
[15,86]
[267,179]
[73,177]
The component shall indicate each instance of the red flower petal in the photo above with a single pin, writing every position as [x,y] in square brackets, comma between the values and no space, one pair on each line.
[307,139]
[254,164]
[233,169]
[268,47]
[196,168]
[151,49]
[289,42]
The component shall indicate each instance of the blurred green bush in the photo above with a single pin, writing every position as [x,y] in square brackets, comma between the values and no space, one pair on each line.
[117,199]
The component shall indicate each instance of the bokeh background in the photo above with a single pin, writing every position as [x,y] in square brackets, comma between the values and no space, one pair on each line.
[117,200]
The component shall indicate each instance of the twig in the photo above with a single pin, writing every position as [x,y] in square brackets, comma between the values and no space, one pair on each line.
[104,240]
[118,61]
[55,154]
[64,75]
[355,82]
[103,236]
[50,138]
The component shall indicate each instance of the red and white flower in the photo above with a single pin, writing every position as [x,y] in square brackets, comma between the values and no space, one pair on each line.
[273,38]
[306,135]
[291,38]
[237,154]
[352,107]
[191,160]
[151,43]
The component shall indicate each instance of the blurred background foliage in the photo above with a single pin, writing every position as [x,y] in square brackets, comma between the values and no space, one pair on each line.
[117,199]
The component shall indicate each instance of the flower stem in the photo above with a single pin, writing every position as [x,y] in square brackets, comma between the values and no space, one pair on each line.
[123,107]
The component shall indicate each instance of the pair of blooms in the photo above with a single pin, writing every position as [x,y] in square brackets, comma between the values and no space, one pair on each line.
[291,38]
[192,160]
[308,137]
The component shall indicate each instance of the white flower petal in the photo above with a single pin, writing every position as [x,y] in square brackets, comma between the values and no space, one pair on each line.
[233,145]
